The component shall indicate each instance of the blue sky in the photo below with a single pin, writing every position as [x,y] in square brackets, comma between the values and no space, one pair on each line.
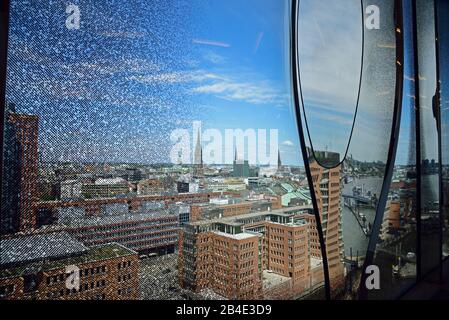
[252,89]
[115,89]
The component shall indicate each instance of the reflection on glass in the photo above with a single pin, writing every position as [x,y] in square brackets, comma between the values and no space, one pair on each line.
[429,193]
[330,66]
[245,44]
[443,65]
[348,194]
[395,253]
[92,94]
[93,105]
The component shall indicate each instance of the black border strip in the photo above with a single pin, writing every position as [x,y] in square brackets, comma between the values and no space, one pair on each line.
[362,56]
[297,101]
[392,150]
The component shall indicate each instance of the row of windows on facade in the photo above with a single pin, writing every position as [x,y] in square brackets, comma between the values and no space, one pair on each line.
[225,254]
[154,243]
[124,264]
[245,246]
[101,296]
[131,235]
[289,241]
[125,277]
[87,272]
[280,261]
[83,287]
[105,231]
[158,222]
[301,249]
[137,244]
[83,273]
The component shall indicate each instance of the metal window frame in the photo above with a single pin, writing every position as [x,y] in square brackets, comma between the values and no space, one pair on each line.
[297,100]
[4,28]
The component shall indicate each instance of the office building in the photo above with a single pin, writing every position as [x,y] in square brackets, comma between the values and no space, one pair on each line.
[106,188]
[149,231]
[20,172]
[249,256]
[327,187]
[38,266]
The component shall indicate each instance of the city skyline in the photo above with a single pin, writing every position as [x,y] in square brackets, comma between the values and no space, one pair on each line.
[121,101]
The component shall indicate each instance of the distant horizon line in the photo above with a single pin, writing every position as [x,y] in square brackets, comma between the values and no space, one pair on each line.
[153,164]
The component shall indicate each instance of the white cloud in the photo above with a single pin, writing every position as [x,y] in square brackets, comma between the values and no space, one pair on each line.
[329,40]
[258,92]
[211,43]
[288,143]
[213,57]
[176,77]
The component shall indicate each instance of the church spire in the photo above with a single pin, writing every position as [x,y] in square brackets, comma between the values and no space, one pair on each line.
[198,158]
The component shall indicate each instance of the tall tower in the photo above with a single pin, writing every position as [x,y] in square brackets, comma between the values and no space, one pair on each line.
[279,161]
[198,170]
[20,172]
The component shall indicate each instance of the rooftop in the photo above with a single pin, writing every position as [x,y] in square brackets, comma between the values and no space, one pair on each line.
[110,181]
[271,279]
[314,262]
[38,246]
[239,236]
[286,212]
[115,219]
[95,253]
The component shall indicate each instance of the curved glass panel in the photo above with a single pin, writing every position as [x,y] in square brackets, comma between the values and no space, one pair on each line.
[348,194]
[330,66]
[443,64]
[429,156]
[395,253]
[167,128]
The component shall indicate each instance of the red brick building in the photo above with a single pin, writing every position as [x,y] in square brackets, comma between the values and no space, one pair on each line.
[106,272]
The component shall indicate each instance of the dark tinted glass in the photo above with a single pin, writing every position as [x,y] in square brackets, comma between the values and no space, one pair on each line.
[348,193]
[443,65]
[395,253]
[429,192]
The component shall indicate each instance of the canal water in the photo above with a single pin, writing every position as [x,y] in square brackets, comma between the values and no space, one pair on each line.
[353,235]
